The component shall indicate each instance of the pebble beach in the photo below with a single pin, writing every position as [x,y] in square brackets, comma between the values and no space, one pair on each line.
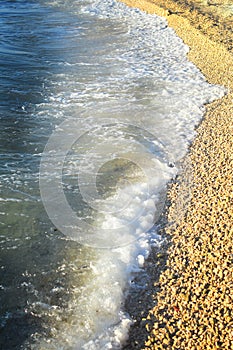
[188,303]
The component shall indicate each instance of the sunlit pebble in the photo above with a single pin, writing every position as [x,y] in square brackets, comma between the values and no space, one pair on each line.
[208,265]
[141,260]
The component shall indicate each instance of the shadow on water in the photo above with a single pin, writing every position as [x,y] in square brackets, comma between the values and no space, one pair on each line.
[19,267]
[35,279]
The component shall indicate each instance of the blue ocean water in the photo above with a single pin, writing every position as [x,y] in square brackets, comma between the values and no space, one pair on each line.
[98,106]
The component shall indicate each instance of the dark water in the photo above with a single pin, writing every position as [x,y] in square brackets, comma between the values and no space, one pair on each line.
[84,62]
[31,252]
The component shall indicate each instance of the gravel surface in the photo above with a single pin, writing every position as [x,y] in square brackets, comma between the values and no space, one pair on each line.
[188,300]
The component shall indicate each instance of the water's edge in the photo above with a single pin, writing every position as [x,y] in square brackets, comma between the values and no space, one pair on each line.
[139,303]
[103,325]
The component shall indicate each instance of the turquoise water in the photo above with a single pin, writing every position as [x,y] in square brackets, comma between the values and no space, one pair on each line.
[94,121]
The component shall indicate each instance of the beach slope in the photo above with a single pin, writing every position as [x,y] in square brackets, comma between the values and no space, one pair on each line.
[193,301]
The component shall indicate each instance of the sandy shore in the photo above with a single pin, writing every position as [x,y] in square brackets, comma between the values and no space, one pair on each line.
[188,302]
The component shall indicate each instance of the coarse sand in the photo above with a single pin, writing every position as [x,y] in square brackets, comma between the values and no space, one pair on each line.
[188,300]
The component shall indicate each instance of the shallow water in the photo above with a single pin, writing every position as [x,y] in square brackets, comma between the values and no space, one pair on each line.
[94,122]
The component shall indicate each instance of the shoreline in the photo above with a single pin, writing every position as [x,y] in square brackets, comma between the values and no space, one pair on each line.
[187,301]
